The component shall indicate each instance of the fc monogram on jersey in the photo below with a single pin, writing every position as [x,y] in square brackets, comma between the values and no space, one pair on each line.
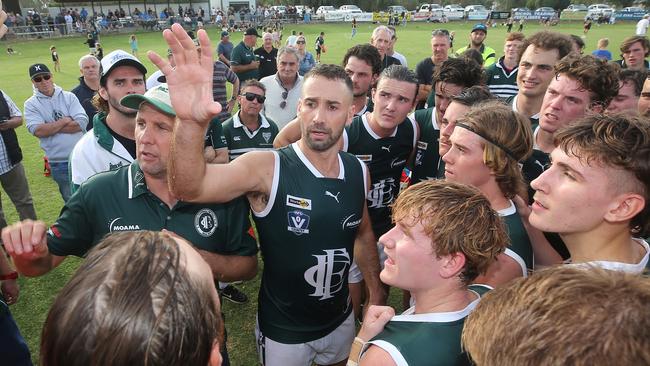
[382,193]
[329,274]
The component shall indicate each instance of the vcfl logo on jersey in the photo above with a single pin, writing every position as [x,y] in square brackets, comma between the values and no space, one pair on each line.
[329,275]
[381,194]
[298,222]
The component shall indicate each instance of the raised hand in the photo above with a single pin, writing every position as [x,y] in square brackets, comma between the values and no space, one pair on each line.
[373,323]
[26,240]
[190,81]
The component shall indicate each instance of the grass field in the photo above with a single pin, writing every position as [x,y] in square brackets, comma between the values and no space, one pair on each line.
[38,293]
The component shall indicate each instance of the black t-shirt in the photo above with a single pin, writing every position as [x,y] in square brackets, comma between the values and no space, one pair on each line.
[389,60]
[424,71]
[268,64]
[128,144]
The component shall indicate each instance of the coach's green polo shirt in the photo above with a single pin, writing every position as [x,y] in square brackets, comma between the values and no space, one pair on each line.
[120,201]
[244,55]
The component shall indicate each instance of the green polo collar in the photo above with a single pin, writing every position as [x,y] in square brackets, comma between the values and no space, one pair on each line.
[137,184]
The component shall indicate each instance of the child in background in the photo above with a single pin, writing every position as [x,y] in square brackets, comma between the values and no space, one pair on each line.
[602,51]
[55,59]
[134,45]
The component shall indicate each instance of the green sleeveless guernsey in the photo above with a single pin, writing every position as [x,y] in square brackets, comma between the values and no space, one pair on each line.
[240,140]
[386,158]
[520,248]
[431,339]
[427,159]
[306,235]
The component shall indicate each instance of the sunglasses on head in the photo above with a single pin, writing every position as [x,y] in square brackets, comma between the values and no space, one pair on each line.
[251,96]
[38,79]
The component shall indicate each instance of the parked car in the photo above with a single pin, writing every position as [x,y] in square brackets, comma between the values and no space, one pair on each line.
[633,9]
[544,9]
[454,7]
[576,7]
[325,9]
[429,7]
[519,9]
[350,9]
[469,8]
[396,9]
[599,9]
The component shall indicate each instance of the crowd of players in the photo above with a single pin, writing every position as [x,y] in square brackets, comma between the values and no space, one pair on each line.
[521,229]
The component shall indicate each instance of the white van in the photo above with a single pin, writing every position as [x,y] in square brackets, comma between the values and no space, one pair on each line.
[325,9]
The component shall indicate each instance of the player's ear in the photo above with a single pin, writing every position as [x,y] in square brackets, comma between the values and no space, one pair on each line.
[102,92]
[452,264]
[625,207]
[215,355]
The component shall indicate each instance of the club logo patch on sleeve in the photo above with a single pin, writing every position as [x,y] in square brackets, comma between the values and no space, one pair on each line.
[298,222]
[205,222]
[298,202]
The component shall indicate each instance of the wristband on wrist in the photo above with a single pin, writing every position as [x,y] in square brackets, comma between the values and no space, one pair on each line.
[10,276]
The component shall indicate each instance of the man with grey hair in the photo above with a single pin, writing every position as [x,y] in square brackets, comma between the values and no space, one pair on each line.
[267,55]
[382,38]
[88,85]
[283,88]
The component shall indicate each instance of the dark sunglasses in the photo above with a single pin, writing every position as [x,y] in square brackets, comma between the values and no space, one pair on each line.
[38,79]
[300,42]
[284,102]
[251,96]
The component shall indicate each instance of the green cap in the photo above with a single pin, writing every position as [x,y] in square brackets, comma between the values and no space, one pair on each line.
[157,96]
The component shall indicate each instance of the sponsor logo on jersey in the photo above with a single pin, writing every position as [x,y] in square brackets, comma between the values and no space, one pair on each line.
[418,157]
[266,136]
[365,158]
[496,76]
[298,202]
[335,196]
[298,222]
[350,222]
[422,145]
[329,274]
[387,148]
[396,162]
[116,225]
[112,166]
[205,222]
[236,138]
[382,193]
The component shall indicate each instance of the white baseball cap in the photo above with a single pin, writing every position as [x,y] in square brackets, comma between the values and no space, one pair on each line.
[120,58]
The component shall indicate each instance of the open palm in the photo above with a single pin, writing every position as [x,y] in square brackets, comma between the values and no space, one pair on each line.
[190,81]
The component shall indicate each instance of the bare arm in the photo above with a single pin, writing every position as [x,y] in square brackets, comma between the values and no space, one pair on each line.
[376,356]
[365,254]
[224,59]
[49,129]
[230,267]
[242,68]
[288,134]
[190,88]
[71,127]
[26,243]
[12,122]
